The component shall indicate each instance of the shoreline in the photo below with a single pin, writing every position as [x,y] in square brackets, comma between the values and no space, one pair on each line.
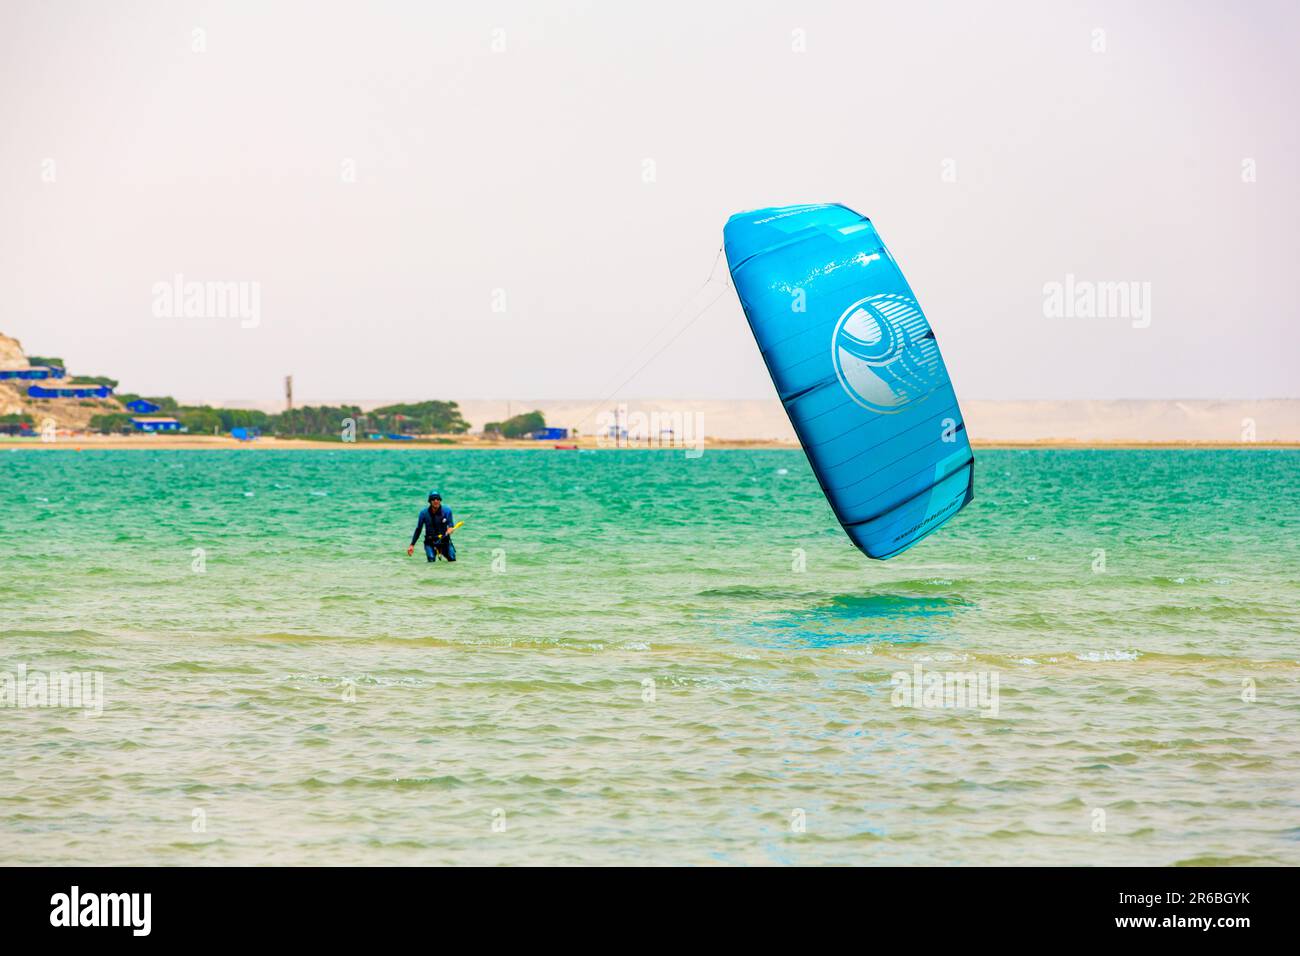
[212,442]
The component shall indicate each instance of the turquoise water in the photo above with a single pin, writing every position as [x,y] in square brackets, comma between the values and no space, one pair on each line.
[645,658]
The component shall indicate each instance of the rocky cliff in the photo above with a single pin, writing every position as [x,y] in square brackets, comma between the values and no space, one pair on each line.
[11,353]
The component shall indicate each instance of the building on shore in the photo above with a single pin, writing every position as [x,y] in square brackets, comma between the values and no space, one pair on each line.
[34,373]
[155,424]
[70,391]
[548,434]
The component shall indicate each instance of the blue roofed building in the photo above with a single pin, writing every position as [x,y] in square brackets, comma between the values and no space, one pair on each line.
[155,424]
[35,373]
[548,434]
[143,406]
[69,391]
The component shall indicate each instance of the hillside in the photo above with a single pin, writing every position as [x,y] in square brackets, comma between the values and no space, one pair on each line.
[69,413]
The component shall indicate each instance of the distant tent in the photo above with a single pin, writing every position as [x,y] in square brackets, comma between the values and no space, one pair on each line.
[245,434]
[400,437]
[548,434]
[143,407]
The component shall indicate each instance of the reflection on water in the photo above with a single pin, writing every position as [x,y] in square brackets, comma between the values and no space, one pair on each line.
[860,619]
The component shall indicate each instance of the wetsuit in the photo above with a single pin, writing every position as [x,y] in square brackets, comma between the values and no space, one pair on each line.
[435,522]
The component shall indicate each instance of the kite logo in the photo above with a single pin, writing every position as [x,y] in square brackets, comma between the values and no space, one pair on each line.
[884,353]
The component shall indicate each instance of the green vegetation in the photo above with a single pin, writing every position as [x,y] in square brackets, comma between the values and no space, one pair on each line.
[420,418]
[44,360]
[312,420]
[240,418]
[200,421]
[111,423]
[518,426]
[319,422]
[93,380]
[203,419]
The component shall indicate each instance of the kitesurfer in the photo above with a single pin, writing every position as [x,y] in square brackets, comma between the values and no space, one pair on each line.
[437,525]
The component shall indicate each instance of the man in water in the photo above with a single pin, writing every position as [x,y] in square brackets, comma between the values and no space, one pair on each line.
[436,523]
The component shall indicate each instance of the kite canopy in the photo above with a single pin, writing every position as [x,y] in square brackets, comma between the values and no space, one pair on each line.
[858,370]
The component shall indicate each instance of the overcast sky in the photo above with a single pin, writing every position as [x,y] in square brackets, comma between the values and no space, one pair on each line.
[388,173]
